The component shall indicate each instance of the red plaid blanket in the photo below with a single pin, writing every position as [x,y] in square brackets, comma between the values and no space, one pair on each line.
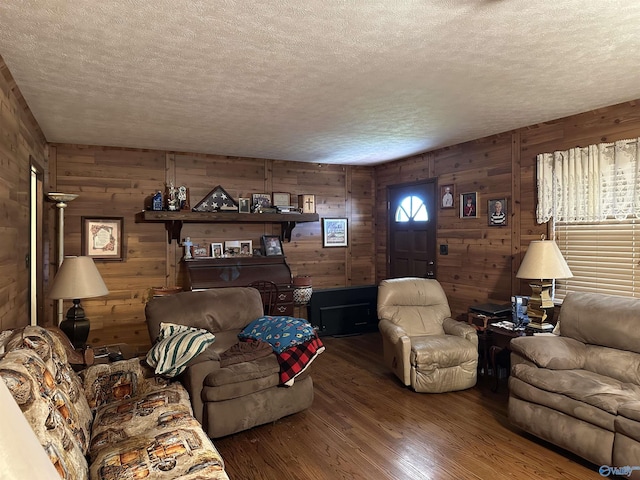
[294,360]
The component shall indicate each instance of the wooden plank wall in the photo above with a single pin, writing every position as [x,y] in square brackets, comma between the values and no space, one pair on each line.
[116,182]
[20,139]
[483,260]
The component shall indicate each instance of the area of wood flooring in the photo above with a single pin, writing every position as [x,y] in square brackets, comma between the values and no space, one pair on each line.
[364,425]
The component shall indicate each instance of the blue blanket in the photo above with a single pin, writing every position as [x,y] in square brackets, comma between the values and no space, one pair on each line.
[280,332]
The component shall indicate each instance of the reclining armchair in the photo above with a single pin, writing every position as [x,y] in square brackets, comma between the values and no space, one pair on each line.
[424,347]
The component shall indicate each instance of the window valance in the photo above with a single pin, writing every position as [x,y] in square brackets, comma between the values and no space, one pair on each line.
[589,184]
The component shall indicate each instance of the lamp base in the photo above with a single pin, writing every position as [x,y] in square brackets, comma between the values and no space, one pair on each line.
[76,330]
[76,326]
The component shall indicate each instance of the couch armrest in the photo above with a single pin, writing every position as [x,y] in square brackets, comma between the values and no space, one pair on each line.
[556,353]
[460,329]
[396,348]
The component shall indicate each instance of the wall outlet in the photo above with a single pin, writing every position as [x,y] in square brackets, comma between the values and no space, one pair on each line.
[444,249]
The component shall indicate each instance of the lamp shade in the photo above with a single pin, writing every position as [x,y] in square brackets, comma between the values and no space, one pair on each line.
[543,261]
[77,278]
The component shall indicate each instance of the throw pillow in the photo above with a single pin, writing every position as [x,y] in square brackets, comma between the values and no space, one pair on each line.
[171,354]
[280,332]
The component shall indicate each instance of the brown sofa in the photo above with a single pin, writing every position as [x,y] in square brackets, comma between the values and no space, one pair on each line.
[581,390]
[112,421]
[229,398]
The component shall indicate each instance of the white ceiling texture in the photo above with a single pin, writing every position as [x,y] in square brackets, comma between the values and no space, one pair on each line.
[354,82]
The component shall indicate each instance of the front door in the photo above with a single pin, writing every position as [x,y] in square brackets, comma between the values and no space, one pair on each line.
[412,230]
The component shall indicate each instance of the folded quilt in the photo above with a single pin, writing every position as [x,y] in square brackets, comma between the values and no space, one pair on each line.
[280,332]
[294,360]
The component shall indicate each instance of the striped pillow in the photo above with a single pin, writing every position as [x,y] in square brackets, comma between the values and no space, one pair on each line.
[172,353]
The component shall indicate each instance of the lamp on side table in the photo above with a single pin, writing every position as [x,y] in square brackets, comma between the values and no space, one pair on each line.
[77,278]
[542,264]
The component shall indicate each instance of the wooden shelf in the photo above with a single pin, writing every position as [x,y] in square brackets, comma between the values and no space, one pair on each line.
[174,220]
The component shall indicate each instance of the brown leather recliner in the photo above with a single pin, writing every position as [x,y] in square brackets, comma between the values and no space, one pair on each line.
[228,399]
[426,348]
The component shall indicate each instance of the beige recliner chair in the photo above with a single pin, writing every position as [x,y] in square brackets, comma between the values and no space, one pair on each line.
[426,348]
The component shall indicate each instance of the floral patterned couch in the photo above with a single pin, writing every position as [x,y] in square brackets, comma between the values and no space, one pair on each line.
[111,421]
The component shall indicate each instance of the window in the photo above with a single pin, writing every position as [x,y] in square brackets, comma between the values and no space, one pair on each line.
[412,208]
[603,257]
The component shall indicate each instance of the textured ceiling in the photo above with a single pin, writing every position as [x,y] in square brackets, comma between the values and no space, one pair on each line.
[327,81]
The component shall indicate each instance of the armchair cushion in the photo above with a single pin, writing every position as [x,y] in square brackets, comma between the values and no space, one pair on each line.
[441,351]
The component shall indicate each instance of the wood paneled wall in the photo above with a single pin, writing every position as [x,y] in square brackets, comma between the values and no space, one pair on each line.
[482,260]
[116,182]
[20,141]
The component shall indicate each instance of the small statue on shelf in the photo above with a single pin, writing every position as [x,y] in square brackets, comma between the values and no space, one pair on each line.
[187,244]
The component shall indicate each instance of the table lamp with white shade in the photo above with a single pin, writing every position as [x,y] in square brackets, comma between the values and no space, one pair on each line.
[542,264]
[77,278]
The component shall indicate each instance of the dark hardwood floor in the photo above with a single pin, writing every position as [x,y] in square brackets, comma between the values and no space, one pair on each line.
[365,425]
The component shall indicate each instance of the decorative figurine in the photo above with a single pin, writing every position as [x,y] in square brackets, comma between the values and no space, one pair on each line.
[156,203]
[187,248]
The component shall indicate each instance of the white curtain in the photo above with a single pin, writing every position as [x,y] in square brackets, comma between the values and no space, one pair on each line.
[589,184]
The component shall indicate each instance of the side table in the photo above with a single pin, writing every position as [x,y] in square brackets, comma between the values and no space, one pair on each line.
[481,322]
[498,340]
[113,353]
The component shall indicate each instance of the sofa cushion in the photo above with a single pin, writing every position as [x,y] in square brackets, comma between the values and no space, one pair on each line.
[562,403]
[127,418]
[104,383]
[556,353]
[54,419]
[172,353]
[594,389]
[619,364]
[280,332]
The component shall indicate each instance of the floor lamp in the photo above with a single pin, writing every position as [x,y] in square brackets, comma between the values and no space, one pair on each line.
[61,200]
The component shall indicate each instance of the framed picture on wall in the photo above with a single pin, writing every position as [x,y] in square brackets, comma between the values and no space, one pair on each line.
[447,196]
[497,212]
[334,232]
[102,238]
[469,205]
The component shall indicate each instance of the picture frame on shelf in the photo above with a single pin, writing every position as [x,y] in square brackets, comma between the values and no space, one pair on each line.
[272,245]
[447,196]
[334,232]
[217,250]
[469,205]
[103,237]
[280,199]
[497,212]
[200,251]
[260,200]
[244,205]
[246,248]
[231,248]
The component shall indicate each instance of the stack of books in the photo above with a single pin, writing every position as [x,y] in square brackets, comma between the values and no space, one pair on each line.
[541,327]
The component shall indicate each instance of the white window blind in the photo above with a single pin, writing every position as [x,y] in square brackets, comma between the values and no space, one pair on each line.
[603,257]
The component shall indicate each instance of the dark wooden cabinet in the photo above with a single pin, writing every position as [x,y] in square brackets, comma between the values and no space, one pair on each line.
[241,271]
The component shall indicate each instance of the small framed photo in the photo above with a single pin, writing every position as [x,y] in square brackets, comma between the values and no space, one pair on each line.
[232,248]
[271,245]
[200,251]
[246,248]
[497,212]
[469,205]
[217,251]
[447,196]
[244,205]
[334,232]
[102,238]
[281,199]
[260,200]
